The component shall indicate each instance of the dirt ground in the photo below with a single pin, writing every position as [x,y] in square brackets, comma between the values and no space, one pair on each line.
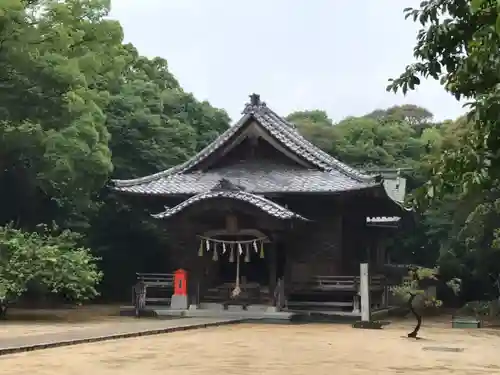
[274,350]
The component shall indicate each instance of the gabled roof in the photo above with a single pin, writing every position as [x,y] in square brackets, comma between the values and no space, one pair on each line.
[327,174]
[261,203]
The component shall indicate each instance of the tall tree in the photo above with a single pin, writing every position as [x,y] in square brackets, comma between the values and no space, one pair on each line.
[414,115]
[55,61]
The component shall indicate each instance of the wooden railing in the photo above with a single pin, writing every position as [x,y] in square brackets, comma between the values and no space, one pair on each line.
[338,283]
[160,284]
[326,285]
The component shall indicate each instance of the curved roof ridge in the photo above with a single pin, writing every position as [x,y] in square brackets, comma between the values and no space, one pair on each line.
[200,156]
[266,205]
[288,128]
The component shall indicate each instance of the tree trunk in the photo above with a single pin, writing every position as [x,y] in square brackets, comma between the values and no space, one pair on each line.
[414,333]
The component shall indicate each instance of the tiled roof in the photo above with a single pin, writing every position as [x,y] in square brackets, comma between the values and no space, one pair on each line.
[262,203]
[256,178]
[328,175]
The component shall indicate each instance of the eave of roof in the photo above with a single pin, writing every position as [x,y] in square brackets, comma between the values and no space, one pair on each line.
[257,179]
[260,202]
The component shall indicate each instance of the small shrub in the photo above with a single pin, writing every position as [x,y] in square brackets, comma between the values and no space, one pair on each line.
[50,260]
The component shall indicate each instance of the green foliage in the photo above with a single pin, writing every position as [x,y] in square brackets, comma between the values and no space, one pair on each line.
[54,262]
[77,106]
[459,45]
[418,279]
[479,309]
[54,62]
[449,29]
[379,139]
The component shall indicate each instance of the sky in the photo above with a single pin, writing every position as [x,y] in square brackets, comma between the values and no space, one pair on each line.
[297,54]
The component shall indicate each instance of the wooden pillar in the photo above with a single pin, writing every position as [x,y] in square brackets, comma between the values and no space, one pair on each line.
[364,289]
[272,268]
[339,259]
[380,252]
[231,223]
[196,274]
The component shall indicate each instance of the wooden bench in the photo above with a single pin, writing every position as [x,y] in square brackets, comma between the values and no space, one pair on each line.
[161,284]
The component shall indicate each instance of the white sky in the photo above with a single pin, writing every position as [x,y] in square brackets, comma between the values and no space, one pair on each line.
[297,54]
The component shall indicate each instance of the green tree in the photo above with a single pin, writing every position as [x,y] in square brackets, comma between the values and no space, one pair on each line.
[451,28]
[317,127]
[77,106]
[418,118]
[55,61]
[459,45]
[415,290]
[362,141]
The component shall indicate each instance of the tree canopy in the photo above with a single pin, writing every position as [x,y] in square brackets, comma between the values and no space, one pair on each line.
[78,106]
[459,46]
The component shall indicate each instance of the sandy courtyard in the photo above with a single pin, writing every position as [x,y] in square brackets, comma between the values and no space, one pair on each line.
[318,349]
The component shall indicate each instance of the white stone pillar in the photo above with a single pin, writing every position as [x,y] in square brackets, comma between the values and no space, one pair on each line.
[364,291]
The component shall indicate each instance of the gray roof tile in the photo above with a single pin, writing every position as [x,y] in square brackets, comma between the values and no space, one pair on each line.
[255,178]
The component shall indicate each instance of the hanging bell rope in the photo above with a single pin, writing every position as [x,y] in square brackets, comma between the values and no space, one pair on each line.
[237,290]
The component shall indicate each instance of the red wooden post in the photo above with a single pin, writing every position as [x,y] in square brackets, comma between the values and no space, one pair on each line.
[180,282]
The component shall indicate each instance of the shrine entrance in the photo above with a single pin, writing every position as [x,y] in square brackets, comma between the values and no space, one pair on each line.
[240,268]
[255,269]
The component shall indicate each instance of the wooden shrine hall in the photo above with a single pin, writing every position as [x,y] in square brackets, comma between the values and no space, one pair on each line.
[263,217]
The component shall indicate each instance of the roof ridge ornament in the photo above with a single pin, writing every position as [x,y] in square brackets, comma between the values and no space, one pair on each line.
[255,105]
[226,185]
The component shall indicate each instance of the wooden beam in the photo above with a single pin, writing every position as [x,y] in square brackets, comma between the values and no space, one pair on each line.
[231,223]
